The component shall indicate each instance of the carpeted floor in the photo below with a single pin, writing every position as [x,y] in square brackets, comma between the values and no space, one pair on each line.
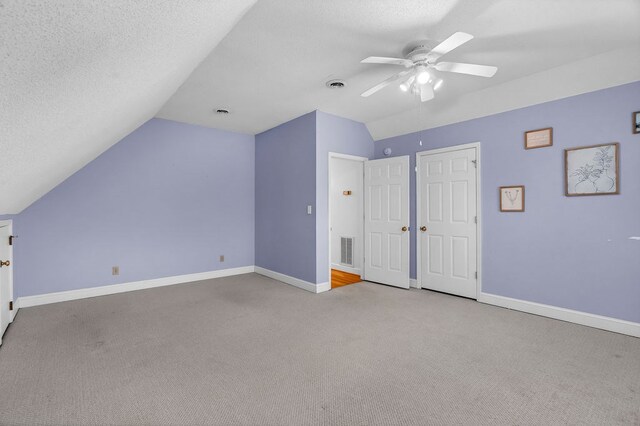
[250,350]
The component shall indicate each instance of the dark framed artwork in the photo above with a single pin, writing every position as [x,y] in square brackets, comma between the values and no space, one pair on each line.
[538,138]
[512,198]
[592,170]
[636,122]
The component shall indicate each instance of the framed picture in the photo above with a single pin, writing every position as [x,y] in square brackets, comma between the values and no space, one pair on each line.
[538,138]
[512,198]
[592,170]
[636,122]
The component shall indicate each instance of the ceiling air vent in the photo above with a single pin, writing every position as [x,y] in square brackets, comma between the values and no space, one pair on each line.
[336,84]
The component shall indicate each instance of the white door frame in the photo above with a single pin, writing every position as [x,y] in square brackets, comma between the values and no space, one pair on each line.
[475,145]
[9,223]
[352,158]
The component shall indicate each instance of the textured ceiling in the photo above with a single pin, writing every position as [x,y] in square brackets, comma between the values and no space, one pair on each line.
[78,75]
[273,65]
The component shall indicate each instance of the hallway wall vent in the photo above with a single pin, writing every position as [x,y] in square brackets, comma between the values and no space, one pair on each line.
[346,251]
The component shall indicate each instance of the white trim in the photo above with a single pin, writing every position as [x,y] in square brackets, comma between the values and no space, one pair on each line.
[348,269]
[83,293]
[352,158]
[577,317]
[475,145]
[413,283]
[296,282]
[347,156]
[322,287]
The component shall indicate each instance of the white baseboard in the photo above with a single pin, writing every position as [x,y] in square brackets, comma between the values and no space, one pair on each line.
[296,282]
[322,287]
[413,283]
[583,318]
[347,269]
[82,293]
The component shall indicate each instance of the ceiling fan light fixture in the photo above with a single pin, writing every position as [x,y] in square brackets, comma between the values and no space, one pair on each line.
[419,58]
[422,77]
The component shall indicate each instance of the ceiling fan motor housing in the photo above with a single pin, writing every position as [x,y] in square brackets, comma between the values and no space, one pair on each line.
[418,51]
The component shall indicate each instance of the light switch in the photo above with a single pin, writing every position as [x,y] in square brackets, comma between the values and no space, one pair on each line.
[309,210]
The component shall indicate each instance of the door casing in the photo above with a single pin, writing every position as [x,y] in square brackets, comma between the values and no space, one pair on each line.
[352,158]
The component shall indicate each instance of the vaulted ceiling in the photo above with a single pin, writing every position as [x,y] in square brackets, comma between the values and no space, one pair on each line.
[76,76]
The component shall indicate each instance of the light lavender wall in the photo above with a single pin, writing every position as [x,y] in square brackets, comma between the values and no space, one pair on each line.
[344,136]
[570,252]
[285,183]
[166,200]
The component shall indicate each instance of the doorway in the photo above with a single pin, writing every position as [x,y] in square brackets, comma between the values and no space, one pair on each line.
[448,218]
[369,220]
[346,202]
[6,276]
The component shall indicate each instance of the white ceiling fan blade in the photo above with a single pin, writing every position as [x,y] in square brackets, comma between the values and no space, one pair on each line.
[456,40]
[384,83]
[472,69]
[390,61]
[426,93]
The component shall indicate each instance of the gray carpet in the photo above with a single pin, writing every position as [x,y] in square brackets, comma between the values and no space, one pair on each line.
[250,350]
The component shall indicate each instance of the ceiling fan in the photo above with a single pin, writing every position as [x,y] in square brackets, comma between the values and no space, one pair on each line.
[419,60]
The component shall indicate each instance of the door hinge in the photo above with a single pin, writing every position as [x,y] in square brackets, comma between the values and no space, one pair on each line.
[475,219]
[11,306]
[475,163]
[11,237]
[476,275]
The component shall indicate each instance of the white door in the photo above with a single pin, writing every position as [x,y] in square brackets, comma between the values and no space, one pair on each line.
[5,279]
[386,221]
[446,220]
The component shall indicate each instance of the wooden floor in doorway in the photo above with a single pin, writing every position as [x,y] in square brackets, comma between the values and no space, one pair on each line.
[340,278]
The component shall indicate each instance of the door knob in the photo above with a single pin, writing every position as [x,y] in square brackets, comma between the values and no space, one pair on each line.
[404,229]
[5,263]
[423,228]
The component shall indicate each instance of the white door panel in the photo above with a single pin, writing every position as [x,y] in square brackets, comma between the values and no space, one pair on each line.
[447,234]
[5,279]
[386,183]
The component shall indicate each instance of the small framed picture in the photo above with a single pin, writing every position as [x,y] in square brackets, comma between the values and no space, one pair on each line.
[592,170]
[636,122]
[512,198]
[538,138]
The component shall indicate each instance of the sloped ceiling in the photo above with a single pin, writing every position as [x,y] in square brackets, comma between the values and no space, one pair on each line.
[273,65]
[76,76]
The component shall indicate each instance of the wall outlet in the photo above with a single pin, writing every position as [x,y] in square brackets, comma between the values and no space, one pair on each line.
[115,270]
[222,258]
